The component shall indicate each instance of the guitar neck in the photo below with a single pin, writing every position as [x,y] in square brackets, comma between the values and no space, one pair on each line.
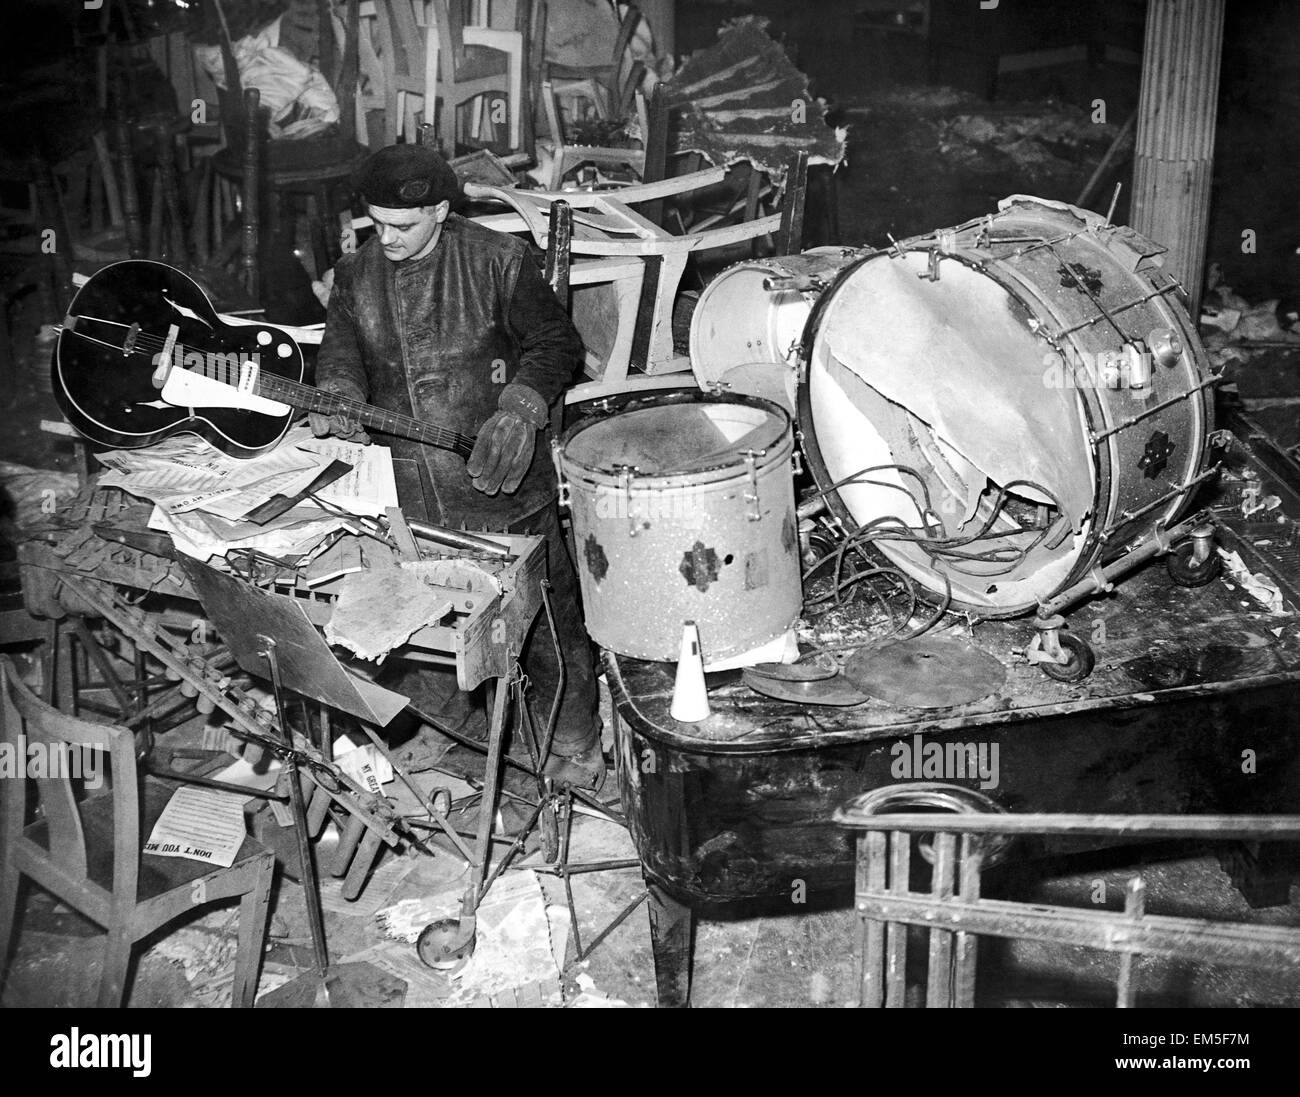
[306,398]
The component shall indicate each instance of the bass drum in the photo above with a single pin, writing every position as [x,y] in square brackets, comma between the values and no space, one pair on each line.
[749,322]
[683,510]
[1028,392]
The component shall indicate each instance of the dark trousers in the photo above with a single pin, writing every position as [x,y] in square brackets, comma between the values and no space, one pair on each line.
[434,689]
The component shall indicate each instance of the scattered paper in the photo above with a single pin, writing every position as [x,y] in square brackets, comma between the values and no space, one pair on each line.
[513,936]
[366,766]
[202,824]
[204,536]
[591,997]
[186,473]
[370,488]
[1258,585]
[202,495]
[378,610]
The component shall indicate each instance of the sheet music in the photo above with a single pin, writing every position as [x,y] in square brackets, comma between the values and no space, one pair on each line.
[188,474]
[202,824]
[202,535]
[370,488]
[201,495]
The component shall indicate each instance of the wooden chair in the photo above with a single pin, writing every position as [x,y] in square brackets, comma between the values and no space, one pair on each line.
[471,65]
[88,853]
[316,167]
[612,91]
[414,44]
[566,155]
[639,262]
[615,82]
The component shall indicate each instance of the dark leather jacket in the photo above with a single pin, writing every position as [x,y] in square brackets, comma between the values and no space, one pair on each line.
[438,338]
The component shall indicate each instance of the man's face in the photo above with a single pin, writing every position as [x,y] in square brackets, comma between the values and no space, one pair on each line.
[409,233]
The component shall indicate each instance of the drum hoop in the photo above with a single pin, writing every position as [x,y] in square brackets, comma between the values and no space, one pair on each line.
[777,451]
[1095,410]
[821,474]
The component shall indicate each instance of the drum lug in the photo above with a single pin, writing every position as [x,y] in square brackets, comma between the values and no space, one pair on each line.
[751,496]
[625,482]
[796,460]
[1138,366]
[931,272]
[565,492]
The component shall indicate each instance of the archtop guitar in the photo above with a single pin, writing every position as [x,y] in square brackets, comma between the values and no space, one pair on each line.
[143,355]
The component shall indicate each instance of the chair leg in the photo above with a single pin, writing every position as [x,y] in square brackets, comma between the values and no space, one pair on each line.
[9,880]
[117,962]
[252,936]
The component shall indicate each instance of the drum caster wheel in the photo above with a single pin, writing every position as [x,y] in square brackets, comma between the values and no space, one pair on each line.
[1195,563]
[1050,641]
[446,944]
[1080,663]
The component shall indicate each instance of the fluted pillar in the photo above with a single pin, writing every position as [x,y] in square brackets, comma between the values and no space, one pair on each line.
[1174,161]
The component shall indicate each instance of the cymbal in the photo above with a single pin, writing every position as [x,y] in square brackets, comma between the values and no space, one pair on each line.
[926,672]
[835,691]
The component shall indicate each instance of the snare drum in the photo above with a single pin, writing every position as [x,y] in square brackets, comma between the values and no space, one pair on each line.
[1036,373]
[683,510]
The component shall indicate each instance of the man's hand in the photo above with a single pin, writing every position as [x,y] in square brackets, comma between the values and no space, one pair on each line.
[505,444]
[343,428]
[502,454]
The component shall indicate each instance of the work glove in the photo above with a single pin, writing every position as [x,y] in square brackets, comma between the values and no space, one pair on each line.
[343,428]
[504,448]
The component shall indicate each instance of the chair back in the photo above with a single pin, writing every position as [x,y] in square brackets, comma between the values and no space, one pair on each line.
[626,73]
[49,746]
[451,30]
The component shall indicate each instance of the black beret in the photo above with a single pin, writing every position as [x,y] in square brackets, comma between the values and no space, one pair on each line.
[407,176]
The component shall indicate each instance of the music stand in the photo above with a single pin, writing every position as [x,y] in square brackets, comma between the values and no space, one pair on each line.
[271,637]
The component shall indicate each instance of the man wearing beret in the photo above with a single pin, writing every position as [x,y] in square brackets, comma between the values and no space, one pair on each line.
[450,322]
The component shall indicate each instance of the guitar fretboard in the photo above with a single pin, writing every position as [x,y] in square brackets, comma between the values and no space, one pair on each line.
[306,398]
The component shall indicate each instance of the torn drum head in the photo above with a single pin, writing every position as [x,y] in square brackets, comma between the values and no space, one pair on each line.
[1013,384]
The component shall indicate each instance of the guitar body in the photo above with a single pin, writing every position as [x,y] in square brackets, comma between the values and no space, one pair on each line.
[105,363]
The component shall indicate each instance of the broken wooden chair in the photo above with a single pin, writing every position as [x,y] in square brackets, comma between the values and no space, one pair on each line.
[613,244]
[89,852]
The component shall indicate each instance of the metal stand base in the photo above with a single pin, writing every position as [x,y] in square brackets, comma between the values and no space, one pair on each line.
[344,986]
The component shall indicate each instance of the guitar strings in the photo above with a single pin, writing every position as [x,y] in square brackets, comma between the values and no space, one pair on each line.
[227,373]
